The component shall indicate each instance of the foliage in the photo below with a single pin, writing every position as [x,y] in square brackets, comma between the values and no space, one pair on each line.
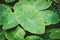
[9,0]
[33,16]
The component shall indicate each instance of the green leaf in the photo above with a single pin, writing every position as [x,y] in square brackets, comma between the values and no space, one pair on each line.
[0,22]
[2,36]
[29,1]
[55,33]
[7,18]
[42,4]
[29,18]
[39,4]
[10,21]
[33,38]
[15,34]
[9,0]
[49,17]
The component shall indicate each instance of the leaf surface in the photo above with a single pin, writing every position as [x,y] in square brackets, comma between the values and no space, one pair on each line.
[15,34]
[7,18]
[55,33]
[29,18]
[42,4]
[50,17]
[33,38]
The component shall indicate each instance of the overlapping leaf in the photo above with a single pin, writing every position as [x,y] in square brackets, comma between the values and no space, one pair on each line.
[50,17]
[15,34]
[7,18]
[33,38]
[55,33]
[42,4]
[32,16]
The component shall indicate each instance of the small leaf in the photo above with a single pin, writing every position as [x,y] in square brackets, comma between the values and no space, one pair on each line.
[10,21]
[42,4]
[33,38]
[55,33]
[15,34]
[7,18]
[50,17]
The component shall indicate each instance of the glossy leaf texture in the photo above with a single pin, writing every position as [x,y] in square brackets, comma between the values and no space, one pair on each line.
[7,18]
[26,14]
[33,38]
[15,34]
[50,17]
[55,33]
[9,0]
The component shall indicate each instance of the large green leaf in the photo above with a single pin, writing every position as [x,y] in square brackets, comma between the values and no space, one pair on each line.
[29,18]
[15,34]
[33,38]
[50,17]
[55,33]
[7,18]
[42,4]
